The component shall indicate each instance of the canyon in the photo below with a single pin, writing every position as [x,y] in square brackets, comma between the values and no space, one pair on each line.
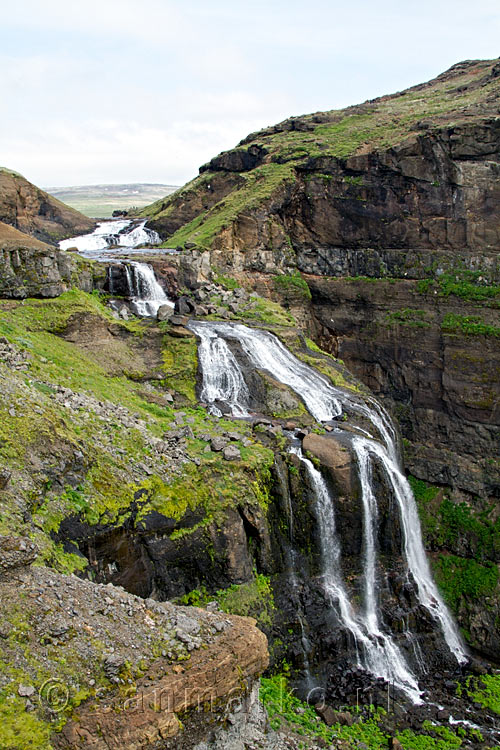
[335,282]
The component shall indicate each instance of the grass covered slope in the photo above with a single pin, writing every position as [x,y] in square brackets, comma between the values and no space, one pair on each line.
[257,173]
[90,414]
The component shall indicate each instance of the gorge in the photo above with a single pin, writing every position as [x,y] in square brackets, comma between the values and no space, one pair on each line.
[182,446]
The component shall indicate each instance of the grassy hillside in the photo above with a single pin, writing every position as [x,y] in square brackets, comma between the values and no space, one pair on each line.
[267,161]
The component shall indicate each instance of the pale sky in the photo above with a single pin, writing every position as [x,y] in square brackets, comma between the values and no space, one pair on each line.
[107,91]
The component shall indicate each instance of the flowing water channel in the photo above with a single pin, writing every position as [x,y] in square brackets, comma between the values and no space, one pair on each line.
[118,237]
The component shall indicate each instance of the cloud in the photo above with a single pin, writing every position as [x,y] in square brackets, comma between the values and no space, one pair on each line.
[114,90]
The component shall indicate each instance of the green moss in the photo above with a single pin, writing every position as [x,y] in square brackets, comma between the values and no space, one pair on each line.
[266,312]
[486,691]
[180,365]
[292,283]
[20,730]
[253,599]
[287,711]
[433,738]
[460,577]
[334,375]
[470,325]
[408,317]
[472,286]
[226,281]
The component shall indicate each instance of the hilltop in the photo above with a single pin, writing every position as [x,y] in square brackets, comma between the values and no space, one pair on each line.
[101,200]
[34,212]
[264,193]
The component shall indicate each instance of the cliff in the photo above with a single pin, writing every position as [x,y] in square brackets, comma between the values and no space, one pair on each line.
[389,212]
[31,268]
[36,213]
[378,227]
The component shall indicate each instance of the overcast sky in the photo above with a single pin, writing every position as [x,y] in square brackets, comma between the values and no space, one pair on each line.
[147,90]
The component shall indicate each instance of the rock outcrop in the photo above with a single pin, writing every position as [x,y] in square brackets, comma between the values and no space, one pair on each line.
[140,665]
[31,268]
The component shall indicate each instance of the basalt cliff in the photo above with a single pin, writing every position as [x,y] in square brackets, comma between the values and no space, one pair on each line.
[378,227]
[31,224]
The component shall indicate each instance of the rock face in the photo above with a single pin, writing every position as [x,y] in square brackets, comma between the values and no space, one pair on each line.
[209,661]
[439,379]
[36,213]
[403,188]
[30,268]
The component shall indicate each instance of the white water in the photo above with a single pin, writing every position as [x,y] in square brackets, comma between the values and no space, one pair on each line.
[266,352]
[380,654]
[375,650]
[145,293]
[123,233]
[222,377]
[366,451]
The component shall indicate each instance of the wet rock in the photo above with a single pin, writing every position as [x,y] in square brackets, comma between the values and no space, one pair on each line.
[165,312]
[179,320]
[335,456]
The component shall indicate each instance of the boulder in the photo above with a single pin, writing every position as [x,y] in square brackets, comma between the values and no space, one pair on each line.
[335,456]
[165,312]
[16,552]
[231,453]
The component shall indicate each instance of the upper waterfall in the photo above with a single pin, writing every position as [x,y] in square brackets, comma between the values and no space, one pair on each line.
[145,294]
[125,234]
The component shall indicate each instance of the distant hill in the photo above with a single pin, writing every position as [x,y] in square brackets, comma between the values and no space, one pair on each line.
[100,201]
[34,212]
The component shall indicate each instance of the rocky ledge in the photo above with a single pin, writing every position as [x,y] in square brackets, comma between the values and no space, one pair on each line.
[133,666]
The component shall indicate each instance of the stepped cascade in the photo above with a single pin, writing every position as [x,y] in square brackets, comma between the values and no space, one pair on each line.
[223,381]
[123,234]
[144,292]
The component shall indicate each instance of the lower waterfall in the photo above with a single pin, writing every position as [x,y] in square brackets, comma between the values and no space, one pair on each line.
[375,650]
[223,381]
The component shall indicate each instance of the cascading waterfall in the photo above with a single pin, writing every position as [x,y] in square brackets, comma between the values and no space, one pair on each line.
[145,293]
[367,450]
[222,377]
[377,651]
[122,233]
[267,352]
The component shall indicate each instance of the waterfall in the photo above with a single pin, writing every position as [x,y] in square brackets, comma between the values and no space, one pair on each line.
[222,377]
[266,352]
[123,233]
[145,293]
[414,548]
[377,652]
